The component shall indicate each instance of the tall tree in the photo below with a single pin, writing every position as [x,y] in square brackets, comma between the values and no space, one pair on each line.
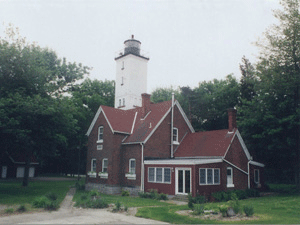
[274,111]
[35,117]
[210,101]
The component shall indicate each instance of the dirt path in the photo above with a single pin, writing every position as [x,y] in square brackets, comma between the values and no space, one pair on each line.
[67,214]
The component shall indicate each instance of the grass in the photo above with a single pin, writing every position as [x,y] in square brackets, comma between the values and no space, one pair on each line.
[128,201]
[280,209]
[12,192]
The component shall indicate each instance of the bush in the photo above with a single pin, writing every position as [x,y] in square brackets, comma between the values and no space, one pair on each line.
[153,194]
[163,196]
[51,196]
[190,201]
[248,210]
[125,193]
[234,203]
[198,209]
[94,193]
[9,210]
[252,193]
[40,202]
[223,209]
[84,196]
[21,208]
[79,187]
[199,199]
[98,203]
[52,205]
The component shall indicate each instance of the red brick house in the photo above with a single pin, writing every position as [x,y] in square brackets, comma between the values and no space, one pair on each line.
[140,146]
[136,150]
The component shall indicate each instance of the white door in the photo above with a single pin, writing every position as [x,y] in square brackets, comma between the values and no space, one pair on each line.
[4,172]
[20,172]
[183,181]
[31,172]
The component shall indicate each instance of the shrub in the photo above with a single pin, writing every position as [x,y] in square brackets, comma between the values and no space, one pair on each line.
[125,208]
[79,186]
[163,196]
[9,210]
[223,209]
[40,202]
[52,205]
[252,193]
[84,196]
[98,203]
[94,193]
[198,209]
[153,194]
[199,199]
[190,201]
[51,196]
[21,208]
[125,193]
[248,210]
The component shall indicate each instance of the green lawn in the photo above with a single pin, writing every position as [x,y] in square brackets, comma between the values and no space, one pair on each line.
[281,209]
[12,192]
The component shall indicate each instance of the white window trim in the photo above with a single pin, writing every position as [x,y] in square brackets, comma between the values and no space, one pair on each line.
[176,141]
[213,176]
[230,185]
[100,140]
[258,182]
[103,165]
[163,175]
[129,171]
[92,173]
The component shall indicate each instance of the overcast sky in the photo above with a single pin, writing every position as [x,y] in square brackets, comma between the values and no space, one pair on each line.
[188,41]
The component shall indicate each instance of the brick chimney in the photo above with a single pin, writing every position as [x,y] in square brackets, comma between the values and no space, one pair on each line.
[145,104]
[231,119]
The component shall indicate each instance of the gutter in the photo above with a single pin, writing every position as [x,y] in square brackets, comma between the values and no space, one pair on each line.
[249,174]
[142,168]
[172,126]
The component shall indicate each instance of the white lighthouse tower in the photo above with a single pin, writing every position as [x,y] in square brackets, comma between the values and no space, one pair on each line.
[131,76]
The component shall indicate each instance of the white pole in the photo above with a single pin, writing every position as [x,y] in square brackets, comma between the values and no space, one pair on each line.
[172,125]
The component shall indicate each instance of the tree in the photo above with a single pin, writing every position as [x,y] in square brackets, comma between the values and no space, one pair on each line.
[274,110]
[248,80]
[35,117]
[210,101]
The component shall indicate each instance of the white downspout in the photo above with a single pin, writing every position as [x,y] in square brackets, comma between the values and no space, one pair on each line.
[142,168]
[249,174]
[172,126]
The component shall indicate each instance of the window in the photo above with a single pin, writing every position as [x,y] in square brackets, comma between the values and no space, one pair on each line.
[151,174]
[167,175]
[132,166]
[159,175]
[256,177]
[99,147]
[175,135]
[229,177]
[120,102]
[93,165]
[123,101]
[104,165]
[209,176]
[100,134]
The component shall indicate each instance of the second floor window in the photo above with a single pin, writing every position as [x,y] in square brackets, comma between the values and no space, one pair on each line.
[175,135]
[100,134]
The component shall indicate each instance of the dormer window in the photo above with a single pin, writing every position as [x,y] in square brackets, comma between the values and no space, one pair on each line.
[175,136]
[100,134]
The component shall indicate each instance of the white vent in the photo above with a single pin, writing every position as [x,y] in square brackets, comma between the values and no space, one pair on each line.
[99,147]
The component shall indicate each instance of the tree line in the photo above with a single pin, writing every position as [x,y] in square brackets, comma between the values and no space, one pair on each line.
[45,111]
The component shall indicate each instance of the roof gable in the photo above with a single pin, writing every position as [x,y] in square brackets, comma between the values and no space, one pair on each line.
[120,121]
[132,123]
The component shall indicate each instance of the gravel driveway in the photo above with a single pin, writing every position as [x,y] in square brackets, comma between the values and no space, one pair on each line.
[70,215]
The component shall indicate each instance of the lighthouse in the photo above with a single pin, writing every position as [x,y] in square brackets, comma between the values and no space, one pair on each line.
[131,75]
